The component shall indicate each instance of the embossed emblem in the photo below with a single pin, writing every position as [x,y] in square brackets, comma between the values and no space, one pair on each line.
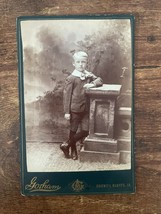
[78,186]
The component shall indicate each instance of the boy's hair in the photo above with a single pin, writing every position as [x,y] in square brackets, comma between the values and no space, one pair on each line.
[80,54]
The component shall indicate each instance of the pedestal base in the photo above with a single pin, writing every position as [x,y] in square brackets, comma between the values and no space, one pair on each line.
[125,157]
[105,150]
[93,156]
[100,150]
[124,147]
[100,145]
[124,144]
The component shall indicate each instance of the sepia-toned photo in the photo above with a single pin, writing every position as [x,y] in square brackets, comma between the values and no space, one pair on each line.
[77,83]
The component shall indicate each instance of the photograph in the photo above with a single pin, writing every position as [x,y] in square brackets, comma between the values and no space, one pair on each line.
[77,87]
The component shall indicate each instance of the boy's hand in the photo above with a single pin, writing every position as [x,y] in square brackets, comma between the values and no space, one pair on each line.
[89,85]
[67,116]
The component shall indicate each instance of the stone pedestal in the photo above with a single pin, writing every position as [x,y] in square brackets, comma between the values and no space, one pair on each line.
[100,145]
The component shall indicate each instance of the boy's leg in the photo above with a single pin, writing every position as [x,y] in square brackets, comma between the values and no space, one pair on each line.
[74,122]
[71,144]
[84,120]
[84,127]
[80,135]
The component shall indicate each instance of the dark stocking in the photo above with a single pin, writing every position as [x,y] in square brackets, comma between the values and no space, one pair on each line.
[74,137]
[80,135]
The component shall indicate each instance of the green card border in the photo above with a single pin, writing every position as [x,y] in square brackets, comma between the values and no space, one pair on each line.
[119,181]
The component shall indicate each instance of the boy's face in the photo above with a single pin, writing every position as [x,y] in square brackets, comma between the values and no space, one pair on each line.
[80,63]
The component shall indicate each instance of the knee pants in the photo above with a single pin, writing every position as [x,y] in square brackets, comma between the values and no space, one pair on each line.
[81,119]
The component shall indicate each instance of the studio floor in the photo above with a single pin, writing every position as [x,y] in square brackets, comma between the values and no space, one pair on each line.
[47,157]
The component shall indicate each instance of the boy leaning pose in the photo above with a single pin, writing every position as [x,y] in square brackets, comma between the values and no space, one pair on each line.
[75,102]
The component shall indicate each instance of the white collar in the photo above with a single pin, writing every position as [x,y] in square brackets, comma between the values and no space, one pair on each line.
[82,75]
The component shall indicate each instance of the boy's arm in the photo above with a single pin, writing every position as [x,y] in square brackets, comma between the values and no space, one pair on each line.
[97,81]
[68,88]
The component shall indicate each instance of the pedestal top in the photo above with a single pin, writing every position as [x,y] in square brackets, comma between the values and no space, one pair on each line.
[105,89]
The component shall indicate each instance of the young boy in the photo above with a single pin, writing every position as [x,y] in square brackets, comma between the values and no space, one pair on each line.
[75,102]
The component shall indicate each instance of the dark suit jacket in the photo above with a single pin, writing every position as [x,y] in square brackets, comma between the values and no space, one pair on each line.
[75,99]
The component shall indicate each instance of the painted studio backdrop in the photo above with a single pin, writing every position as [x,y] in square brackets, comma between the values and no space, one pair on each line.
[48,46]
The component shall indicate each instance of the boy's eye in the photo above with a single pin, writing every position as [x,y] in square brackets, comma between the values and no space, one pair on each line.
[80,61]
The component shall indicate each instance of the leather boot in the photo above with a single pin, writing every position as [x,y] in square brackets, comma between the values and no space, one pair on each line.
[65,148]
